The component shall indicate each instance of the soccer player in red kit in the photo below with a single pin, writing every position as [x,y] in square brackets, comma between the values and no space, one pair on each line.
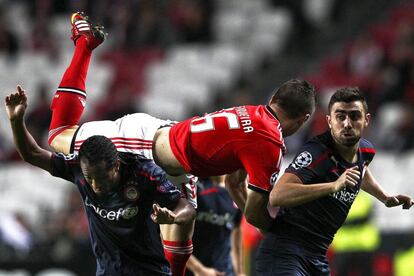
[244,137]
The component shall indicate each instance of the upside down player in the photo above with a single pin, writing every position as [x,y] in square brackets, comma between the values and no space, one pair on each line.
[317,190]
[131,134]
[118,191]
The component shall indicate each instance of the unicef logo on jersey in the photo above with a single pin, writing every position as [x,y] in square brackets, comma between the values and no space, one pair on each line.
[303,160]
[129,213]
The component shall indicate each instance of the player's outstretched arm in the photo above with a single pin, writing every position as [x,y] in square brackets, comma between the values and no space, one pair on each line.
[29,150]
[289,191]
[183,213]
[371,186]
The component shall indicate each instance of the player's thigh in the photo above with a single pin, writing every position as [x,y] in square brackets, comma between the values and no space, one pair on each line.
[62,142]
[272,262]
[175,232]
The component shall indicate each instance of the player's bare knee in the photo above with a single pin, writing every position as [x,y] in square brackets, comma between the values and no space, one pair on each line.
[62,141]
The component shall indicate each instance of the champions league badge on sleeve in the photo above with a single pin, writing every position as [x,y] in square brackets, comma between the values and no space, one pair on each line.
[303,160]
[273,178]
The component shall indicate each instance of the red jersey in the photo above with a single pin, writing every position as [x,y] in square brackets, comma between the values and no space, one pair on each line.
[244,137]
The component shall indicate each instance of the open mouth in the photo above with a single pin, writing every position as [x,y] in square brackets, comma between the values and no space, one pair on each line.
[348,134]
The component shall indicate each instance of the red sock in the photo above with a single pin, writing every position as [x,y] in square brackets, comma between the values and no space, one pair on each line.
[70,98]
[177,254]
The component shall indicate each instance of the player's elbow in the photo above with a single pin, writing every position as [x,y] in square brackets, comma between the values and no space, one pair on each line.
[31,156]
[274,198]
[27,156]
[277,199]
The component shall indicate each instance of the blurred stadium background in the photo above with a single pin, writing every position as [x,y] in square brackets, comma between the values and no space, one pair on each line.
[177,58]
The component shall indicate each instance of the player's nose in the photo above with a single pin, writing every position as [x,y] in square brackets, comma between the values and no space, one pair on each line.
[347,122]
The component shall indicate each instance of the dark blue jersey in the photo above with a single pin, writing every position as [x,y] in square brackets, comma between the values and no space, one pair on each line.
[217,216]
[125,241]
[315,223]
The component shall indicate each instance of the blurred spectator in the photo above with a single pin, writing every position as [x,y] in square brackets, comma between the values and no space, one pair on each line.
[405,129]
[192,19]
[364,56]
[401,62]
[42,39]
[4,151]
[121,103]
[40,115]
[8,40]
[146,26]
[15,233]
[67,230]
[303,27]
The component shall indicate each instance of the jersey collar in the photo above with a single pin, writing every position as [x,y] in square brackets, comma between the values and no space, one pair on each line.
[268,108]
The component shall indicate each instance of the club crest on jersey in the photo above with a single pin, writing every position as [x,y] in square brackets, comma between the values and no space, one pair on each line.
[303,160]
[273,178]
[130,212]
[131,193]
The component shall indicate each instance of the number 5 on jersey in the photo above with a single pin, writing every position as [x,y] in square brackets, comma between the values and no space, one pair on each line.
[206,123]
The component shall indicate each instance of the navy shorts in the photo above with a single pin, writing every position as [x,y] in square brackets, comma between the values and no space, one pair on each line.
[282,257]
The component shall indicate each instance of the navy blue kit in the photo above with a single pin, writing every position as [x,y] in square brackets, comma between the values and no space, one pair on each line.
[125,241]
[300,236]
[217,216]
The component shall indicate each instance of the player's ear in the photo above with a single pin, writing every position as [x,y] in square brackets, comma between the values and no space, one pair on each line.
[367,119]
[328,120]
[117,165]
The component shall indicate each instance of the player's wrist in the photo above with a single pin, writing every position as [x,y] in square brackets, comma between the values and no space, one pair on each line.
[335,187]
[16,119]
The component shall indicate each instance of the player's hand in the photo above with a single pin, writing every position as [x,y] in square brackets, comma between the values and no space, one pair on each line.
[16,104]
[349,178]
[405,201]
[162,215]
[208,271]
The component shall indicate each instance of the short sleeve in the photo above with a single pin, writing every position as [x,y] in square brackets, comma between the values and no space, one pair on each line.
[63,165]
[367,150]
[310,162]
[262,163]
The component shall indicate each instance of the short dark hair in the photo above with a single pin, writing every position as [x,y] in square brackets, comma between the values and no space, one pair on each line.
[99,148]
[295,97]
[347,95]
